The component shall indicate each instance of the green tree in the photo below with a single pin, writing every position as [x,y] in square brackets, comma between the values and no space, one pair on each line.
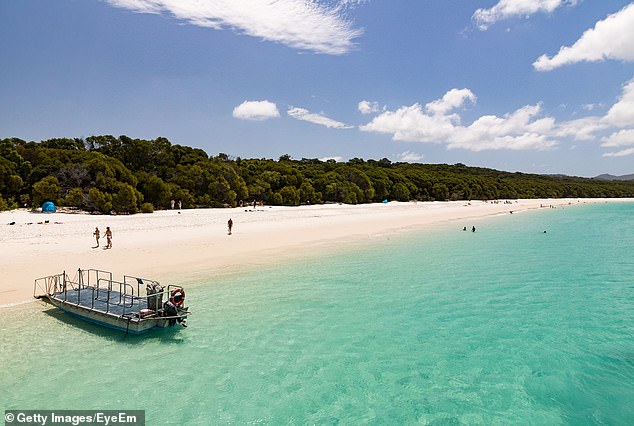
[3,204]
[126,199]
[74,198]
[99,201]
[440,192]
[400,192]
[307,193]
[155,190]
[182,195]
[290,196]
[75,144]
[47,189]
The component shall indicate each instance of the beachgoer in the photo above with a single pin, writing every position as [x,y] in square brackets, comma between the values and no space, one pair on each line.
[172,204]
[253,204]
[180,204]
[464,229]
[230,225]
[108,237]
[96,235]
[473,229]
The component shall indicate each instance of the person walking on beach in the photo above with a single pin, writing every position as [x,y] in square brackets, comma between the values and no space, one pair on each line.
[230,225]
[108,237]
[96,235]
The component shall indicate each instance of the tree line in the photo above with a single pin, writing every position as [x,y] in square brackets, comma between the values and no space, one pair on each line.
[120,174]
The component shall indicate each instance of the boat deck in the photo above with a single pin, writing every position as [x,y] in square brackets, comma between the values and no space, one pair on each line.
[107,301]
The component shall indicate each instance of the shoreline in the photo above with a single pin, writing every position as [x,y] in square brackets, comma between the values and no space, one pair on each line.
[186,244]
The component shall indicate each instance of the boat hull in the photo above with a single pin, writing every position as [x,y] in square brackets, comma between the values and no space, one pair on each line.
[134,305]
[128,324]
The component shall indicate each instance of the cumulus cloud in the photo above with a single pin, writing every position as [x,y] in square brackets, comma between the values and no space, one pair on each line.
[412,124]
[256,110]
[623,153]
[512,8]
[611,38]
[312,25]
[454,98]
[410,157]
[619,139]
[367,107]
[519,130]
[621,114]
[581,129]
[305,115]
[522,129]
[336,158]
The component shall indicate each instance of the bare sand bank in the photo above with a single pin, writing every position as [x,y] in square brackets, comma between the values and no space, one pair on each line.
[168,244]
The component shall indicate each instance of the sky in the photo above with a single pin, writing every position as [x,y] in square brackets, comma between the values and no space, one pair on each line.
[534,86]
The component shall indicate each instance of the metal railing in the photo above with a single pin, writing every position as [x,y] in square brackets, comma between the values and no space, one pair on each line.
[98,285]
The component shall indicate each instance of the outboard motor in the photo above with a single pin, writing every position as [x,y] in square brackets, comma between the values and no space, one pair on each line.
[170,310]
[154,296]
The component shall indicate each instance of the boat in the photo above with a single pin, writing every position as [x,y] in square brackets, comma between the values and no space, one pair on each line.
[134,305]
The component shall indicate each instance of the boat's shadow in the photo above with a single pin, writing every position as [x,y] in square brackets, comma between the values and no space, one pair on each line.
[163,335]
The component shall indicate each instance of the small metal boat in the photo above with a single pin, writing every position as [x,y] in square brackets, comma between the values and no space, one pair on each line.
[134,305]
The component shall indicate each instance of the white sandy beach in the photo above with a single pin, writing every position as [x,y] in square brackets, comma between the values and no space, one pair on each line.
[179,245]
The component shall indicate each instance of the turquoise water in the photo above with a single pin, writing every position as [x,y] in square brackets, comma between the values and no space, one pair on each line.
[507,325]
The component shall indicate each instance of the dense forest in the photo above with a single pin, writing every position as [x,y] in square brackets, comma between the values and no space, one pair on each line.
[124,175]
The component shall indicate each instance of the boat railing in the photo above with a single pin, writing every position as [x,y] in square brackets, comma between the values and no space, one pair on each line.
[52,284]
[114,293]
[92,286]
[140,283]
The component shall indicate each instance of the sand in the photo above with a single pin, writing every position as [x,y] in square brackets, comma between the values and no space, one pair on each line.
[174,246]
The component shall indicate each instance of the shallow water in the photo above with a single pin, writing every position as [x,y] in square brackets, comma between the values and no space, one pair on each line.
[507,325]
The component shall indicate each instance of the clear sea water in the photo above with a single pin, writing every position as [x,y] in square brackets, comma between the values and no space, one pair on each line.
[507,325]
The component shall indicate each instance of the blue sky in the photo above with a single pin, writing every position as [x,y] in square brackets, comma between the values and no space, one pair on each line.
[537,86]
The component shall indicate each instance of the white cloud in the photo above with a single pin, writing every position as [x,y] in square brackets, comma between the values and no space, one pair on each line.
[412,124]
[623,153]
[302,24]
[305,115]
[512,8]
[256,110]
[523,129]
[611,38]
[410,157]
[143,6]
[337,158]
[618,139]
[453,99]
[518,130]
[581,129]
[621,114]
[367,107]
[591,107]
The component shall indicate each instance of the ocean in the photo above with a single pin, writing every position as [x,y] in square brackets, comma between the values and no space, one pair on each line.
[528,320]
